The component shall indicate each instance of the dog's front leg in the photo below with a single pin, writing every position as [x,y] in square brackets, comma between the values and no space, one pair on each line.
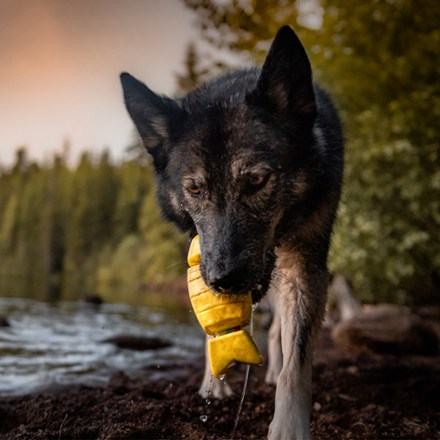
[301,314]
[210,385]
[274,353]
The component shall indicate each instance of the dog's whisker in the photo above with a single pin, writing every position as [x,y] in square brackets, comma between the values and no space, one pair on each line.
[178,264]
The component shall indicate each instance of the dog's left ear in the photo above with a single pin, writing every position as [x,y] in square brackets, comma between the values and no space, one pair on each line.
[285,81]
[153,116]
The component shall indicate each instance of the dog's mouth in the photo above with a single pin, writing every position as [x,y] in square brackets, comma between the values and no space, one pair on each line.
[258,287]
[252,275]
[262,286]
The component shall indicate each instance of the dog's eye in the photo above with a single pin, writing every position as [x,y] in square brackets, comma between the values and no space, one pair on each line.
[194,189]
[257,181]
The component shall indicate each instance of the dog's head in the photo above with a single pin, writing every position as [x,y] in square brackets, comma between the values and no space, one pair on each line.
[230,159]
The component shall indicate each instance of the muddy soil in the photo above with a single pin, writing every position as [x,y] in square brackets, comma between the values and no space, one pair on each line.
[354,397]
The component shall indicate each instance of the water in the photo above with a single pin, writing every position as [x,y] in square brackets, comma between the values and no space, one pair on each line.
[61,343]
[246,376]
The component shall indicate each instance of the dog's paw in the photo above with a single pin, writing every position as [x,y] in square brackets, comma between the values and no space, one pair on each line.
[286,431]
[288,424]
[215,389]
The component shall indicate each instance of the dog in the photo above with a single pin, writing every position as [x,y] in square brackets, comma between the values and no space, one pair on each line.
[253,163]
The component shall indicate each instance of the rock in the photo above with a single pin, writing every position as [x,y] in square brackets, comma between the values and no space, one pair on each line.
[139,343]
[386,329]
[431,315]
[93,299]
[4,322]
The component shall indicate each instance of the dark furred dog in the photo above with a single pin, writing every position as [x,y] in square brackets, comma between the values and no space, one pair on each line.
[253,162]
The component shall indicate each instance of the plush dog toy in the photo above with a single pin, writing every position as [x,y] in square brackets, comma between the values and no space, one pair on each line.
[222,316]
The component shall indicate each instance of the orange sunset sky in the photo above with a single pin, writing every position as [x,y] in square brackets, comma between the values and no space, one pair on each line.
[60,63]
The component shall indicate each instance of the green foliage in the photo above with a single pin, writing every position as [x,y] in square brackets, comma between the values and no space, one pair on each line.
[380,61]
[66,232]
[164,249]
[151,257]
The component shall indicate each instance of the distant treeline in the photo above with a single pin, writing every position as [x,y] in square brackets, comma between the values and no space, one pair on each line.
[66,232]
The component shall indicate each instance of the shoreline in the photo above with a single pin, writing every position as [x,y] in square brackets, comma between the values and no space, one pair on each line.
[364,397]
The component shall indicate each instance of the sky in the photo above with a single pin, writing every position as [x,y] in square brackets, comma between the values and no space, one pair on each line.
[60,63]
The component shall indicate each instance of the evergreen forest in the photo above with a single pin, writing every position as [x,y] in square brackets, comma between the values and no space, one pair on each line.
[74,231]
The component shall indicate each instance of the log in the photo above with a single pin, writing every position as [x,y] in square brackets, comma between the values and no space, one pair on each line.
[386,329]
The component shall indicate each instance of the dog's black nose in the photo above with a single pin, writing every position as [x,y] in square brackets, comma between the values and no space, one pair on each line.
[233,280]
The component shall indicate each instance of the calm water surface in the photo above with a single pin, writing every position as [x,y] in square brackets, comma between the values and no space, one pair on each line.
[62,343]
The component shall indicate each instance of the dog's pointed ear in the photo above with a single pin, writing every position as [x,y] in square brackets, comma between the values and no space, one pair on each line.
[285,82]
[152,115]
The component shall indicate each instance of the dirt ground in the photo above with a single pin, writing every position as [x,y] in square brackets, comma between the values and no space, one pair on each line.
[363,397]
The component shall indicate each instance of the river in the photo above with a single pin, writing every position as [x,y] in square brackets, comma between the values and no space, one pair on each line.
[61,343]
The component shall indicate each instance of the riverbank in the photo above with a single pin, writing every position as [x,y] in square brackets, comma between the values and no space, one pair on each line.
[363,397]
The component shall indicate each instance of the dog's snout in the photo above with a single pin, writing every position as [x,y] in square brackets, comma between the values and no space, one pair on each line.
[233,280]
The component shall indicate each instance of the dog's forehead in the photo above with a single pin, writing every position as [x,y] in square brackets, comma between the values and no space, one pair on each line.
[248,161]
[222,143]
[231,161]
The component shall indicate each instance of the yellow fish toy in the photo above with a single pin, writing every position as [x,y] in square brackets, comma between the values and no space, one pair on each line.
[223,317]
